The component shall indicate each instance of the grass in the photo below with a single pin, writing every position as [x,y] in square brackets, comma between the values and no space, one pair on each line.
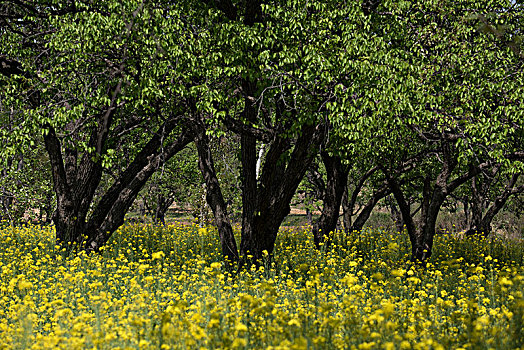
[165,288]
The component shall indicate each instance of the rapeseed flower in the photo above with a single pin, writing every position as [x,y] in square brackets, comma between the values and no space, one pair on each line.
[165,287]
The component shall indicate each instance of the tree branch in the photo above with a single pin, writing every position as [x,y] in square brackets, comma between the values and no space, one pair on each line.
[240,128]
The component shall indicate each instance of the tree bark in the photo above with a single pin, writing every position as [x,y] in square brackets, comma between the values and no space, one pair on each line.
[337,176]
[214,196]
[481,223]
[365,213]
[477,207]
[347,211]
[270,201]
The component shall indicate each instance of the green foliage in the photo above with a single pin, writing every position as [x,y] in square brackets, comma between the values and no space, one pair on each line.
[26,192]
[425,70]
[386,87]
[81,57]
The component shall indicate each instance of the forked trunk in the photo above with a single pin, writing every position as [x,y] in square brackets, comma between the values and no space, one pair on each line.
[266,205]
[481,222]
[76,180]
[435,191]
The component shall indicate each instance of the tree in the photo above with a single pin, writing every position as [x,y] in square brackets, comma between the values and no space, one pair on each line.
[96,81]
[490,191]
[435,91]
[336,192]
[260,98]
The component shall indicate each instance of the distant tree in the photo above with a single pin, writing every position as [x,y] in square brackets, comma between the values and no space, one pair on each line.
[489,192]
[180,181]
[26,192]
[356,190]
[176,181]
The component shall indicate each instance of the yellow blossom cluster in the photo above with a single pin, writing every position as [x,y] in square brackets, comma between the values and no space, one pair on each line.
[167,288]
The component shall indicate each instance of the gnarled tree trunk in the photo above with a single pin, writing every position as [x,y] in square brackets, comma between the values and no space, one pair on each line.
[76,180]
[434,193]
[214,196]
[266,205]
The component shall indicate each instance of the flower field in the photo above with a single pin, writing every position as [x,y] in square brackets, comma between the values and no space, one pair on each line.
[165,288]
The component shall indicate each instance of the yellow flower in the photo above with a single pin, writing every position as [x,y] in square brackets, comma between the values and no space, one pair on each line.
[388,346]
[239,343]
[504,281]
[143,344]
[405,345]
[367,345]
[388,308]
[378,276]
[24,285]
[158,255]
[240,327]
[398,273]
[294,321]
[168,330]
[148,279]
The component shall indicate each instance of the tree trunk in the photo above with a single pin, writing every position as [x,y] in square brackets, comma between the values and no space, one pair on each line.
[481,224]
[69,216]
[365,213]
[405,210]
[337,176]
[466,214]
[269,202]
[431,203]
[309,212]
[162,206]
[214,196]
[395,214]
[349,203]
[346,210]
[249,242]
[109,214]
[76,180]
[477,207]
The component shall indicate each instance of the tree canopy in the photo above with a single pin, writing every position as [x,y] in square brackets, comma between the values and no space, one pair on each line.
[421,97]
